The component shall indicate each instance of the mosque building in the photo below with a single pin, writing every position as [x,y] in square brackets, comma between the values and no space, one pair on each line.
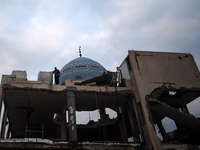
[146,88]
[81,68]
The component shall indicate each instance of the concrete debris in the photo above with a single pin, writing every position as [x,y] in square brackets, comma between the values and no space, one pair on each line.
[146,88]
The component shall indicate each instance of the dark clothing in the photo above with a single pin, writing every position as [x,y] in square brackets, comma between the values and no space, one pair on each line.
[56,73]
[56,80]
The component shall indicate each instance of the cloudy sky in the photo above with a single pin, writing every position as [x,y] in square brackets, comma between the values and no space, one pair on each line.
[37,35]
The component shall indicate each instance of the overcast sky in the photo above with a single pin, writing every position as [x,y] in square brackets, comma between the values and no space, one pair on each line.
[37,35]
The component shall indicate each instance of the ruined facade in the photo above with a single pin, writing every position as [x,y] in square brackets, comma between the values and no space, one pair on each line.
[146,88]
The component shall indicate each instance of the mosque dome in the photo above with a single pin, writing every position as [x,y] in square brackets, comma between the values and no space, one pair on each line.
[81,68]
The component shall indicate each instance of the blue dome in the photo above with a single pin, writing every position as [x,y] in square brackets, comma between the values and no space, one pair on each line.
[81,68]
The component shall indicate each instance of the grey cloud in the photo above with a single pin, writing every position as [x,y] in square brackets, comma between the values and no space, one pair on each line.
[106,30]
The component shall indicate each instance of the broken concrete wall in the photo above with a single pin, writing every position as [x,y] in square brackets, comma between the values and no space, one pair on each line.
[45,77]
[19,74]
[155,69]
[150,70]
[174,68]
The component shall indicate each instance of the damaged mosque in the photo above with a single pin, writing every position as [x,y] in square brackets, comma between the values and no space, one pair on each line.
[145,88]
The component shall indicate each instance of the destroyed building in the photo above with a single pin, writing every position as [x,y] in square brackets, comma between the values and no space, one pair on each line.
[146,88]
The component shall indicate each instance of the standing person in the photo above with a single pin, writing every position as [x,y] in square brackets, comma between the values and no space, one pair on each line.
[56,73]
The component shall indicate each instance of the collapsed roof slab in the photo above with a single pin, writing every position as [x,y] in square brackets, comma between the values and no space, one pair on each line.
[185,119]
[175,97]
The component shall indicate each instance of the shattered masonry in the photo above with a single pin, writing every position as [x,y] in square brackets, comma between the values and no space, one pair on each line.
[147,87]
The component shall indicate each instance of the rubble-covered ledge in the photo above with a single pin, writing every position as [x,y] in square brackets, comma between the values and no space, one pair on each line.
[37,143]
[18,79]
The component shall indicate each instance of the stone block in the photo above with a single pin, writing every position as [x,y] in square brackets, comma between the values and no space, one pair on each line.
[19,74]
[45,77]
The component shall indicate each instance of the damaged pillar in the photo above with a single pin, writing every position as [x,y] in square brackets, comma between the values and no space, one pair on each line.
[122,127]
[133,121]
[63,127]
[138,119]
[104,118]
[71,117]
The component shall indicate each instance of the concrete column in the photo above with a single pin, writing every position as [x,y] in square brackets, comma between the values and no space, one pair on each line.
[104,118]
[72,129]
[134,129]
[102,113]
[138,119]
[122,127]
[63,126]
